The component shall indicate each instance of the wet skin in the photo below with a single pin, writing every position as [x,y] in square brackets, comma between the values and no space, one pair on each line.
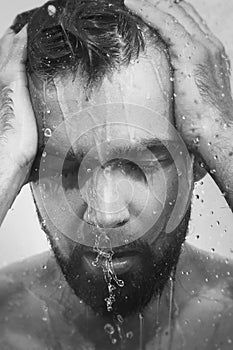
[39,309]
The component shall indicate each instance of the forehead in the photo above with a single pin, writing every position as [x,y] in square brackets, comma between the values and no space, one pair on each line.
[131,104]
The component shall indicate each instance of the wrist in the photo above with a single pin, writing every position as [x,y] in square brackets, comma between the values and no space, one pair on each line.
[12,175]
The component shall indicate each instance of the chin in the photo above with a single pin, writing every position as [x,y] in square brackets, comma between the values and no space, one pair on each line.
[145,269]
[143,281]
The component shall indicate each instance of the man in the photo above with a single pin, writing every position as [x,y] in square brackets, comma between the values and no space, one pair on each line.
[112,178]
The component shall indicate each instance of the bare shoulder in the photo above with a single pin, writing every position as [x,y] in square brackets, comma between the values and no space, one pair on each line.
[205,294]
[25,276]
[23,292]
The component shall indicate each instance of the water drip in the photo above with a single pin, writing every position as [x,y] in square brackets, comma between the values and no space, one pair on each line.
[141,320]
[104,260]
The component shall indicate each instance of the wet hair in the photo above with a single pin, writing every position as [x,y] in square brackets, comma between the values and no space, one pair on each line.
[91,37]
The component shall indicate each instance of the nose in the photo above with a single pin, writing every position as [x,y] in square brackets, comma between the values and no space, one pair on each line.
[106,200]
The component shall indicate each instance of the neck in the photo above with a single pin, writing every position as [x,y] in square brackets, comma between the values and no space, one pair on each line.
[112,332]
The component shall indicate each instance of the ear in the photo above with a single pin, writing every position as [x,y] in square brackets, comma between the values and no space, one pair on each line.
[198,170]
[22,19]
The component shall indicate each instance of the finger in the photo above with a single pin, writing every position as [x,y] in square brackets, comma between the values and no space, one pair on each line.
[185,19]
[19,52]
[170,30]
[7,38]
[198,19]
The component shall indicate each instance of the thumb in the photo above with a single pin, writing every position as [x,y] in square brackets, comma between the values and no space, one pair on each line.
[19,52]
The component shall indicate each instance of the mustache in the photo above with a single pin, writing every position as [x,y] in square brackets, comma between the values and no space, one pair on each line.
[136,247]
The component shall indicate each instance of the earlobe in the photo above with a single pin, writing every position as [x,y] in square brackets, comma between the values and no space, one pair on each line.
[199,170]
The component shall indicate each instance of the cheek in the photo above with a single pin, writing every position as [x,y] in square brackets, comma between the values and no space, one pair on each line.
[61,210]
[163,187]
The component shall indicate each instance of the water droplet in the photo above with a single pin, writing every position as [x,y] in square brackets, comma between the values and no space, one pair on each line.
[120,283]
[109,328]
[44,267]
[129,335]
[120,318]
[52,10]
[44,154]
[172,79]
[47,132]
[212,250]
[114,341]
[196,140]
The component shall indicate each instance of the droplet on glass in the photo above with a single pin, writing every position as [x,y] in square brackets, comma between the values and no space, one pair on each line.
[52,10]
[109,328]
[47,132]
[120,318]
[129,335]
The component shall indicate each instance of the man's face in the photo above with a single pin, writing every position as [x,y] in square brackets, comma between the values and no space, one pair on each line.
[107,179]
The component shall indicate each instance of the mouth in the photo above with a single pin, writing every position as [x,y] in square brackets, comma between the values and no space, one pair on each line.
[121,263]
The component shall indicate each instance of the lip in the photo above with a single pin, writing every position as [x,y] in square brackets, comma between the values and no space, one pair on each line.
[121,264]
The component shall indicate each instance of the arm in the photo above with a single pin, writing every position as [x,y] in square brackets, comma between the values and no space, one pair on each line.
[18,131]
[202,93]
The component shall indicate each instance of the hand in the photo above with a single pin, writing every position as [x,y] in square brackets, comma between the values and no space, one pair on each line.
[202,94]
[18,130]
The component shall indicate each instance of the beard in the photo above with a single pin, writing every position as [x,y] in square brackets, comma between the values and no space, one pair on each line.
[142,283]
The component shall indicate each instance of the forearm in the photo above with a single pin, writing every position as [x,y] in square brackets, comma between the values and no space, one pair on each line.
[216,149]
[11,182]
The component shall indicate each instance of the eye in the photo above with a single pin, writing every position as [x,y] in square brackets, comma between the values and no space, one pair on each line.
[156,163]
